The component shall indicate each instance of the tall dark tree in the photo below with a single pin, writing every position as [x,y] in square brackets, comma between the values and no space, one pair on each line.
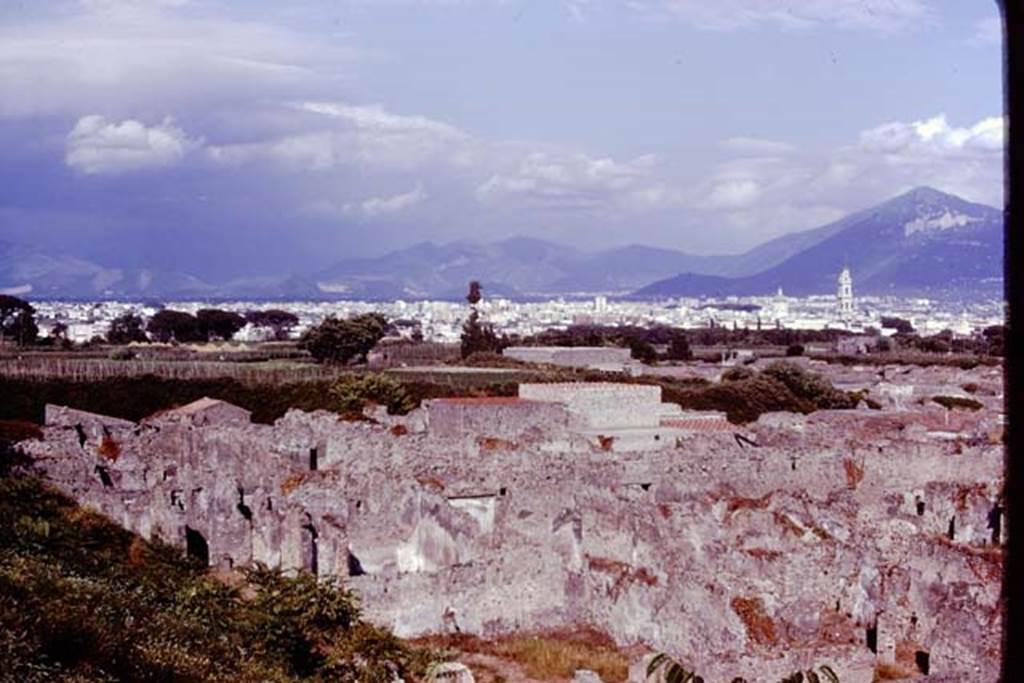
[477,336]
[17,321]
[280,322]
[217,324]
[59,335]
[125,329]
[342,340]
[474,295]
[167,326]
[679,347]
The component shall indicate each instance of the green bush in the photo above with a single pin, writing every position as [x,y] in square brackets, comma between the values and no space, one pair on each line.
[351,394]
[84,600]
[809,386]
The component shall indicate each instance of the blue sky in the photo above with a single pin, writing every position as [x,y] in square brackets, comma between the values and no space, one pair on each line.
[227,137]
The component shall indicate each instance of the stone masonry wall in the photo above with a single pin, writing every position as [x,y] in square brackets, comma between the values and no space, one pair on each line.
[846,537]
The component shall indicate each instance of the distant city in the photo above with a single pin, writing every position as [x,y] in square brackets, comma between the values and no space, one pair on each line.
[442,321]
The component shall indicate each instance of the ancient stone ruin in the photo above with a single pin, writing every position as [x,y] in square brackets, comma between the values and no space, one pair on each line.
[852,538]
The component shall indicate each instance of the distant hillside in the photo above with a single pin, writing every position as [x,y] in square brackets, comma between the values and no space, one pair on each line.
[918,242]
[924,241]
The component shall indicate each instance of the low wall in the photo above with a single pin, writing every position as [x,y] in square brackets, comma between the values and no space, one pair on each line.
[603,405]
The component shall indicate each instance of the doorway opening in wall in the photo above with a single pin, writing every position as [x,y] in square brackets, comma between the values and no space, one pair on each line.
[313,458]
[921,659]
[196,547]
[871,638]
[310,557]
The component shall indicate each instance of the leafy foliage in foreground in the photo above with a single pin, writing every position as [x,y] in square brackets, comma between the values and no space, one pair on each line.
[83,600]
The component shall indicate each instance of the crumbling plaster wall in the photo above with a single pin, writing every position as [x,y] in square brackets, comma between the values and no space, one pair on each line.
[799,540]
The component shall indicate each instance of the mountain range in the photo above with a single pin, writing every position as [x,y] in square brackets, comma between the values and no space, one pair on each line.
[921,241]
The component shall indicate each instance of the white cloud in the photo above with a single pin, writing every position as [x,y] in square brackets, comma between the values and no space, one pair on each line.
[757,195]
[377,206]
[934,137]
[343,135]
[575,180]
[120,56]
[876,15]
[98,146]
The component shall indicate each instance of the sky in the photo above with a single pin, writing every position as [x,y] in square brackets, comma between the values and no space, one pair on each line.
[228,138]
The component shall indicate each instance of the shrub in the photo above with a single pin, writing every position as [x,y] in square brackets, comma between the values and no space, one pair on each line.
[351,394]
[795,350]
[738,373]
[809,385]
[84,600]
[122,353]
[642,351]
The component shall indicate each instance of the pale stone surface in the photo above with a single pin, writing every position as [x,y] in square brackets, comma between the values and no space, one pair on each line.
[735,558]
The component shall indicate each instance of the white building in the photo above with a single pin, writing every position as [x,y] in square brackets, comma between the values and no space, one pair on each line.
[844,296]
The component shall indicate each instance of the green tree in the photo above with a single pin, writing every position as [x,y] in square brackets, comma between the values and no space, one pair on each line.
[477,336]
[642,350]
[679,347]
[59,335]
[341,340]
[17,321]
[280,322]
[167,326]
[899,324]
[217,324]
[125,329]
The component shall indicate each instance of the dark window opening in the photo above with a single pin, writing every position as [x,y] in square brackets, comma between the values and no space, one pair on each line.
[244,509]
[176,500]
[645,487]
[951,531]
[920,508]
[355,567]
[871,638]
[995,523]
[792,465]
[82,438]
[313,455]
[913,620]
[921,660]
[502,491]
[196,547]
[359,505]
[657,437]
[270,503]
[104,476]
[309,548]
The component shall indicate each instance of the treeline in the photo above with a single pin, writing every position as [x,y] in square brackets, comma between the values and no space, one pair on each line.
[18,325]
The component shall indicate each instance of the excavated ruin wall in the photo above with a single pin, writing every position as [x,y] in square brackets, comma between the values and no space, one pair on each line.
[843,537]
